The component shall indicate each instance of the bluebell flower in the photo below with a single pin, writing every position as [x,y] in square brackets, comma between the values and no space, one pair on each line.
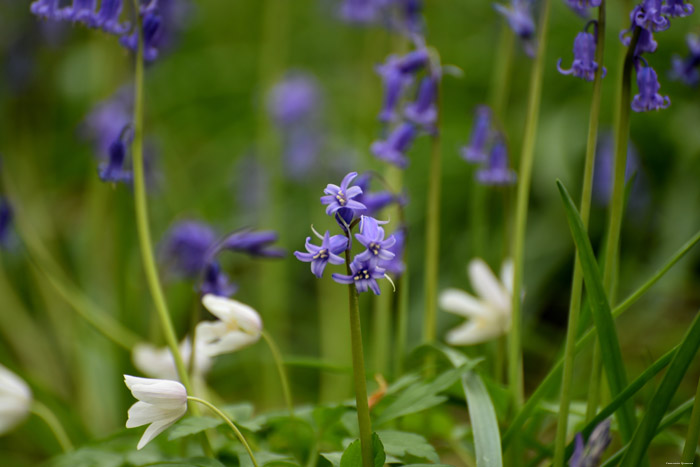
[677,8]
[584,65]
[328,252]
[215,282]
[114,169]
[371,236]
[295,98]
[106,122]
[590,454]
[412,18]
[496,170]
[81,11]
[476,150]
[152,30]
[373,201]
[581,7]
[189,245]
[254,243]
[48,9]
[360,11]
[423,111]
[396,265]
[394,82]
[414,60]
[649,15]
[649,97]
[6,216]
[338,197]
[108,17]
[364,275]
[393,149]
[519,17]
[686,69]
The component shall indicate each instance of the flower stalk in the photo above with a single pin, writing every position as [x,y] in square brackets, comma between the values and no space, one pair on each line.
[48,417]
[577,281]
[284,380]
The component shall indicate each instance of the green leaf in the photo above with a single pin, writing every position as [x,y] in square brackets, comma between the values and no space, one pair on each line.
[487,438]
[333,457]
[263,458]
[352,457]
[602,315]
[401,444]
[662,397]
[242,415]
[192,425]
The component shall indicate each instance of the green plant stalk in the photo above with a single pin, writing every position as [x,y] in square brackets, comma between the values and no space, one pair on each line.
[48,417]
[279,363]
[515,362]
[552,377]
[691,439]
[577,281]
[500,77]
[432,237]
[359,376]
[229,422]
[143,229]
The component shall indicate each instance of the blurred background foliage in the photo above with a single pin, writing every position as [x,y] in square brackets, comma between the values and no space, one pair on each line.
[217,157]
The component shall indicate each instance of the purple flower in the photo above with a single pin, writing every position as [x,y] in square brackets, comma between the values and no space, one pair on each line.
[82,11]
[648,15]
[108,17]
[215,282]
[677,8]
[686,70]
[581,6]
[328,252]
[394,81]
[105,123]
[392,150]
[481,132]
[364,275]
[497,172]
[413,61]
[423,111]
[590,454]
[152,22]
[584,65]
[374,202]
[360,11]
[371,236]
[188,245]
[396,265]
[519,17]
[338,197]
[47,9]
[648,97]
[252,243]
[293,99]
[603,171]
[411,12]
[114,169]
[5,221]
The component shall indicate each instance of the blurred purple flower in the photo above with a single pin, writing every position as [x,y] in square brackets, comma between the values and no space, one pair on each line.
[105,123]
[81,11]
[496,170]
[328,252]
[108,17]
[371,236]
[394,82]
[6,216]
[581,7]
[677,8]
[295,98]
[338,197]
[591,454]
[648,97]
[393,149]
[423,111]
[364,275]
[114,169]
[151,25]
[396,265]
[648,15]
[481,133]
[686,70]
[645,43]
[215,282]
[188,245]
[47,9]
[373,201]
[519,17]
[253,243]
[360,11]
[584,65]
[603,171]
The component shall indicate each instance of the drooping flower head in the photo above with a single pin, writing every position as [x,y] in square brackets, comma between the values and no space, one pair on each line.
[81,11]
[160,403]
[187,245]
[215,282]
[328,252]
[519,17]
[237,327]
[108,17]
[423,111]
[364,274]
[489,313]
[254,243]
[584,65]
[114,169]
[339,197]
[393,149]
[371,236]
[106,123]
[496,171]
[47,9]
[5,221]
[591,454]
[677,8]
[686,69]
[649,15]
[15,400]
[151,21]
[581,6]
[476,151]
[648,97]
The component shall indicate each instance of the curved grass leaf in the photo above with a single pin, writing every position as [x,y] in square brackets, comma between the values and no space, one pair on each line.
[487,438]
[602,315]
[662,397]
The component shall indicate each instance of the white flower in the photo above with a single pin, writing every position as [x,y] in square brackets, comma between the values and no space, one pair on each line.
[161,403]
[490,313]
[238,326]
[158,362]
[15,400]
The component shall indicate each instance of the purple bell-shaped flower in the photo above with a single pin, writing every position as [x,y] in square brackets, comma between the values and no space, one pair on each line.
[649,97]
[584,65]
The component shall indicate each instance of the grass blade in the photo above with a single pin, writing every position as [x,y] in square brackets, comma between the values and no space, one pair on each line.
[487,438]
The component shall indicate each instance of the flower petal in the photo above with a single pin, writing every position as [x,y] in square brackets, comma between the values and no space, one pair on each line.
[461,303]
[486,285]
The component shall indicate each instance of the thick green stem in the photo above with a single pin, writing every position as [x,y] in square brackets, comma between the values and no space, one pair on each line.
[577,281]
[515,362]
[44,413]
[230,423]
[358,366]
[691,439]
[284,380]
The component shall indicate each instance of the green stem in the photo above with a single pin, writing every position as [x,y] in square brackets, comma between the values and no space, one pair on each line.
[577,281]
[691,439]
[500,78]
[515,363]
[358,366]
[229,422]
[284,379]
[44,413]
[142,226]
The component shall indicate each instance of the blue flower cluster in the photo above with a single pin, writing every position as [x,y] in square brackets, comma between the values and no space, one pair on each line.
[191,249]
[404,122]
[647,18]
[487,147]
[380,255]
